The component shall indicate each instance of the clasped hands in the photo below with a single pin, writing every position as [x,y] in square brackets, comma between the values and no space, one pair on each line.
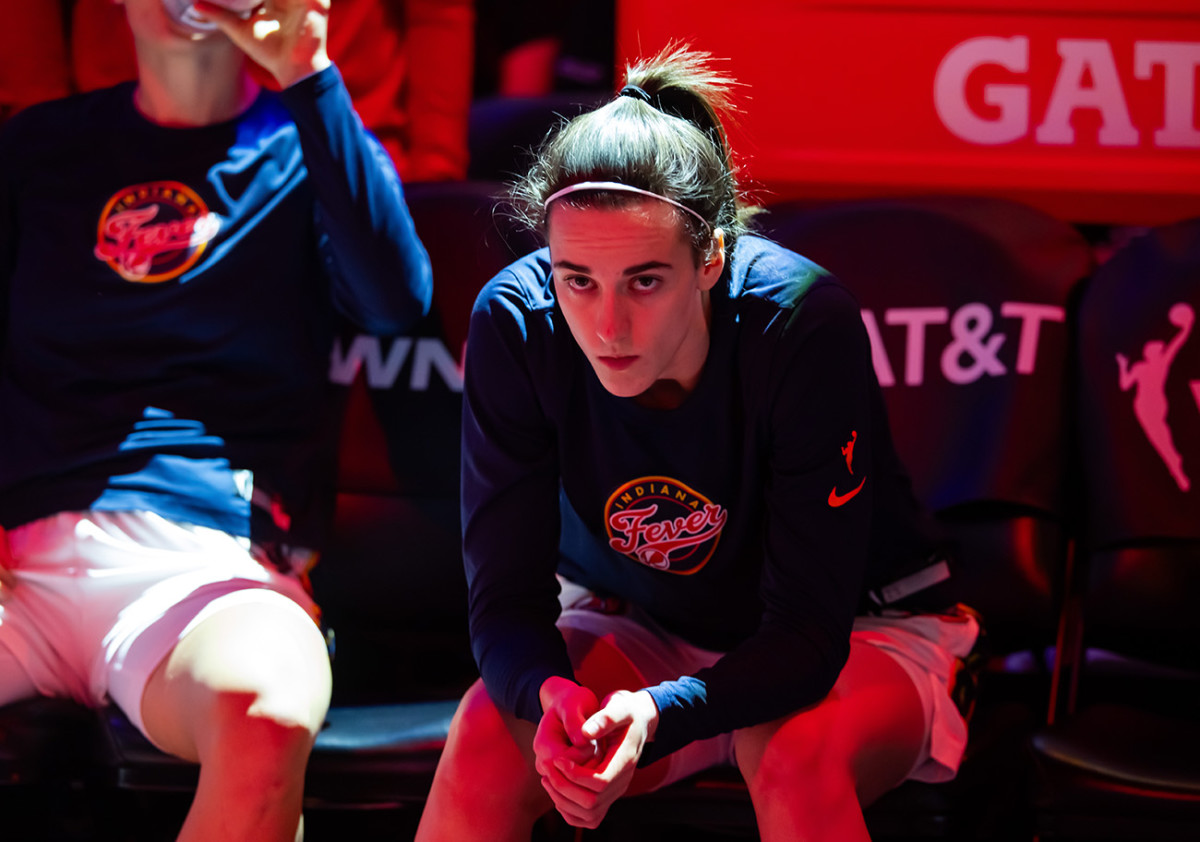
[586,752]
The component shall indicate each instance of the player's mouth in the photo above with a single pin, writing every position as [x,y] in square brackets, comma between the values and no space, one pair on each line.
[617,363]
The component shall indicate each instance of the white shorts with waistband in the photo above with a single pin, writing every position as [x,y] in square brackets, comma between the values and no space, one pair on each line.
[927,646]
[102,597]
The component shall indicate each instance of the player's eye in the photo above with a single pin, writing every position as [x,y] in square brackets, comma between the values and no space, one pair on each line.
[578,283]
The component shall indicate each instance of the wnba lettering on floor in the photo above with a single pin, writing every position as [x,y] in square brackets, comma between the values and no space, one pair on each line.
[975,344]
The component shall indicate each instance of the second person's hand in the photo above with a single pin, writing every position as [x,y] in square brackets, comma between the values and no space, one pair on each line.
[286,37]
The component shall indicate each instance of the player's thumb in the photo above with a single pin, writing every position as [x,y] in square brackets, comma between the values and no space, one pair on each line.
[598,724]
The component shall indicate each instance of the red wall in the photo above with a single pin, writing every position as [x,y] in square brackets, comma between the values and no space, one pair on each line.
[1086,109]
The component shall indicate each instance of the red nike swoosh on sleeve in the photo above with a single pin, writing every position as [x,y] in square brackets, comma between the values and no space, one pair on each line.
[836,499]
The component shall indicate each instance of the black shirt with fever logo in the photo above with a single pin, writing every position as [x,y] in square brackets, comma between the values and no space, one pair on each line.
[748,520]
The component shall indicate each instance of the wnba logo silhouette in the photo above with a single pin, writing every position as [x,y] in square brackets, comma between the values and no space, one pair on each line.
[1149,376]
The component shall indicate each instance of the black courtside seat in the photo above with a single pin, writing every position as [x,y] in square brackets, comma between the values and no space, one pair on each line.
[359,757]
[42,739]
[1121,757]
[965,301]
[46,747]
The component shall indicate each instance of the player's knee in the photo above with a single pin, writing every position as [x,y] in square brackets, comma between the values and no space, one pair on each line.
[481,736]
[477,722]
[800,758]
[268,730]
[294,705]
[484,753]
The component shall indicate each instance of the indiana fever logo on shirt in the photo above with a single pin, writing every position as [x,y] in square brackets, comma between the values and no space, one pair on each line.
[664,524]
[150,233]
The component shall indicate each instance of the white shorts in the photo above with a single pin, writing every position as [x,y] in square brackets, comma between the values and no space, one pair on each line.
[927,646]
[102,597]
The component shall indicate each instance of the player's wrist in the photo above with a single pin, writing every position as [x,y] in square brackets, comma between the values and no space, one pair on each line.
[648,711]
[300,71]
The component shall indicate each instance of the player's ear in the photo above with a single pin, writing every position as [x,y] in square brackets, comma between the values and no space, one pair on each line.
[714,260]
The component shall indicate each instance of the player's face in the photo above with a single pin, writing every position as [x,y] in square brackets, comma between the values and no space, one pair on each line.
[629,286]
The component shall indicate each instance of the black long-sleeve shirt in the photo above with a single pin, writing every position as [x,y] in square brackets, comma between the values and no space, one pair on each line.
[748,520]
[168,300]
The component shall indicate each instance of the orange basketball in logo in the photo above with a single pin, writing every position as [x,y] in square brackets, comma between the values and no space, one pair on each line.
[150,233]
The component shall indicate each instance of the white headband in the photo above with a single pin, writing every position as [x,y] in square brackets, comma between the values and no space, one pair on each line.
[624,188]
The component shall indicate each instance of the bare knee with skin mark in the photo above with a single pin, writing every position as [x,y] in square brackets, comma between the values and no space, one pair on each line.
[244,694]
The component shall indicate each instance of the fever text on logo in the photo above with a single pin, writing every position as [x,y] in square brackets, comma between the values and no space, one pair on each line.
[150,233]
[664,524]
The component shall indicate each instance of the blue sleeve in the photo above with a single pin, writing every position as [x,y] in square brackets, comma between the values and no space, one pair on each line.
[380,271]
[816,536]
[509,507]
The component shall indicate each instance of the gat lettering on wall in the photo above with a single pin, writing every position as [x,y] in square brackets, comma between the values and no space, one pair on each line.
[1088,77]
